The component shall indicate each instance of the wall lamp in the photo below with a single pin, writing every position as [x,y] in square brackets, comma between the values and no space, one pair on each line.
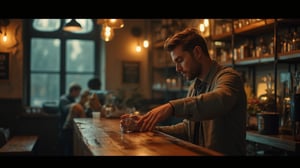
[3,24]
[73,25]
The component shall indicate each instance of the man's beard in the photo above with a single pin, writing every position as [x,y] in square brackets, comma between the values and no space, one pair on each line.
[195,73]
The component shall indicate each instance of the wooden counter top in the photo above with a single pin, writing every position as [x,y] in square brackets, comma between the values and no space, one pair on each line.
[104,138]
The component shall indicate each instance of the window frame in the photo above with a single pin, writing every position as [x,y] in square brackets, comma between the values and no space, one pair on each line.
[30,32]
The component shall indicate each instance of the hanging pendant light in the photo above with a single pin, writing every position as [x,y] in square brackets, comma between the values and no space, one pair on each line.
[73,25]
[107,33]
[115,23]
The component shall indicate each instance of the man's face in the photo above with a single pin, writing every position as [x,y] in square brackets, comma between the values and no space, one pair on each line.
[185,63]
[76,93]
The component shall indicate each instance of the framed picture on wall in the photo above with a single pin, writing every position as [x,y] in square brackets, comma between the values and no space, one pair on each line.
[4,66]
[131,71]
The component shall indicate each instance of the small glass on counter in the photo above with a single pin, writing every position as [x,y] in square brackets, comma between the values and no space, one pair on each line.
[128,122]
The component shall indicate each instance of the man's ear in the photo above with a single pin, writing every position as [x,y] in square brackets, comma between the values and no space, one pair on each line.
[197,53]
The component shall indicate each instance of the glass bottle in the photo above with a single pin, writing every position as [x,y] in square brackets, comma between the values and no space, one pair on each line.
[263,46]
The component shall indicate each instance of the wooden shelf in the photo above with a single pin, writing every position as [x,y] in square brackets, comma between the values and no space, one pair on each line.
[251,29]
[256,27]
[284,142]
[222,37]
[290,57]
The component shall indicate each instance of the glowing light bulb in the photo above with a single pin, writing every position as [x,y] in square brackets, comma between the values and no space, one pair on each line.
[138,48]
[206,22]
[107,33]
[4,37]
[146,43]
[201,27]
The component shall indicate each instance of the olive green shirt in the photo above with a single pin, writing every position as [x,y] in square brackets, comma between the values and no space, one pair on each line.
[221,111]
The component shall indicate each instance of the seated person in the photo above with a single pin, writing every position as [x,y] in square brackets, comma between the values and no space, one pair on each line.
[76,110]
[66,100]
[97,98]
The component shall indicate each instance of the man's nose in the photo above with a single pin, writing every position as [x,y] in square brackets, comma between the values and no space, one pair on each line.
[178,67]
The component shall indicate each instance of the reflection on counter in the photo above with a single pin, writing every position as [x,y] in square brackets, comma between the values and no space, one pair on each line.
[104,138]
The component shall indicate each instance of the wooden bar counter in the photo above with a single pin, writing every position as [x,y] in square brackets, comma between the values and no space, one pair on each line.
[103,137]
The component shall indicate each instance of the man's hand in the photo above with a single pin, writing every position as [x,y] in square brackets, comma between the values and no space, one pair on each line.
[84,97]
[148,121]
[94,103]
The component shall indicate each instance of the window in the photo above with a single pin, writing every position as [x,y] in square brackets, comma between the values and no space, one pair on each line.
[58,58]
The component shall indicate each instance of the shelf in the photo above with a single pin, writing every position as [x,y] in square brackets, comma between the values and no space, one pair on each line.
[251,29]
[290,57]
[256,27]
[222,37]
[247,61]
[285,142]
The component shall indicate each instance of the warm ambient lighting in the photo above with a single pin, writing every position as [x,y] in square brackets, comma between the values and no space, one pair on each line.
[3,28]
[73,25]
[113,23]
[107,33]
[108,26]
[202,27]
[138,48]
[206,22]
[4,37]
[146,43]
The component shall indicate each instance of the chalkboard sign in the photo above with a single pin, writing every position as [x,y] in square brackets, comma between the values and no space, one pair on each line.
[4,66]
[131,72]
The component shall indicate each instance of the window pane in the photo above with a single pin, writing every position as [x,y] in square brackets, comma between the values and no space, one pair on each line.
[80,56]
[46,25]
[81,79]
[86,24]
[45,54]
[44,87]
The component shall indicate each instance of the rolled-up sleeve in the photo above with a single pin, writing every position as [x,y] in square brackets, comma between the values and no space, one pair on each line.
[178,130]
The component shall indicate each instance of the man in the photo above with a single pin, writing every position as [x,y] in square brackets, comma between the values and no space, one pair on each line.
[214,110]
[67,100]
[98,96]
[68,110]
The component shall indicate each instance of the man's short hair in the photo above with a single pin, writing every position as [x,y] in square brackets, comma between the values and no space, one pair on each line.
[94,83]
[74,86]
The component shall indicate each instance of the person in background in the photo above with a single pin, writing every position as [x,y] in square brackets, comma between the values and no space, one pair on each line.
[68,103]
[214,110]
[76,110]
[97,98]
[66,100]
